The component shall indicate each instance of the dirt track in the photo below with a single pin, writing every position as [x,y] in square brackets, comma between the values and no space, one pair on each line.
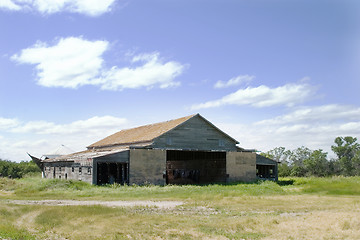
[156,204]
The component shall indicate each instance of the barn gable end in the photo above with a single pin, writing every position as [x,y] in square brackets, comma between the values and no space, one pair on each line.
[196,133]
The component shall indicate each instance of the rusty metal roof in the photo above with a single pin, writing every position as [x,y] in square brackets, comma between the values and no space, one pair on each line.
[142,134]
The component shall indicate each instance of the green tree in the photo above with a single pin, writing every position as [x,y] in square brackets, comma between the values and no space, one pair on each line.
[356,163]
[348,153]
[296,160]
[284,170]
[317,164]
[281,155]
[4,168]
[334,167]
[17,170]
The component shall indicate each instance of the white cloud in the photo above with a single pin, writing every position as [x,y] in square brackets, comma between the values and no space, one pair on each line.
[331,112]
[9,5]
[73,62]
[16,150]
[264,96]
[33,127]
[6,123]
[265,138]
[39,137]
[334,120]
[91,125]
[87,7]
[313,127]
[351,127]
[29,144]
[234,81]
[152,73]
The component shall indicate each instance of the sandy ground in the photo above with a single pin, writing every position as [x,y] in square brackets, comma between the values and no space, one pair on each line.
[156,204]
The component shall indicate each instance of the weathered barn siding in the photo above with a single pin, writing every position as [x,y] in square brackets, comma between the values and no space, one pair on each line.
[69,170]
[147,166]
[241,166]
[195,134]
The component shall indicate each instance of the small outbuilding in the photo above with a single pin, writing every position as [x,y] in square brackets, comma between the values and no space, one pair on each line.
[188,150]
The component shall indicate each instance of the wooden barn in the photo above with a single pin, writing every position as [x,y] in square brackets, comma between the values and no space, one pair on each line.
[188,150]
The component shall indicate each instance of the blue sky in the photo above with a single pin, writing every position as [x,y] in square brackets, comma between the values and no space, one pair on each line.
[268,72]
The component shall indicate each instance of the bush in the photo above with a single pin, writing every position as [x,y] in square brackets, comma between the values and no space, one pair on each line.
[17,170]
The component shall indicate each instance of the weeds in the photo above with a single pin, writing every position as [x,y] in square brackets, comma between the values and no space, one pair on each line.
[337,185]
[8,231]
[38,188]
[291,209]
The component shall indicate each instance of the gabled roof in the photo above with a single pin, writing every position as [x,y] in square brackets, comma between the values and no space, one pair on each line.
[140,134]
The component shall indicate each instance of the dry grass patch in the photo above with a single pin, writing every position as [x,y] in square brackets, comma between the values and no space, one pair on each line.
[316,225]
[271,217]
[244,211]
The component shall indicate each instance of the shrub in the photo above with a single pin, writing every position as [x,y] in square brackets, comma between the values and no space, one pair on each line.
[17,170]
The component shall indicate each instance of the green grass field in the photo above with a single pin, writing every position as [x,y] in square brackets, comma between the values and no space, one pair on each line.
[297,208]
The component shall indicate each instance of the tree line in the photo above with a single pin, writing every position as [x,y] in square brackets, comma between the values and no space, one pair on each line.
[17,170]
[302,162]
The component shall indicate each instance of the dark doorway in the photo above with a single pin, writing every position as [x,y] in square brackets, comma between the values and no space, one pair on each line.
[112,172]
[266,171]
[195,167]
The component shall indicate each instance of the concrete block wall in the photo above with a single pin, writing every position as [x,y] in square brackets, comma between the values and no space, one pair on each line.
[147,166]
[241,166]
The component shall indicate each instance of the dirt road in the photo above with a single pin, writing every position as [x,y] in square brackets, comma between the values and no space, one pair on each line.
[156,204]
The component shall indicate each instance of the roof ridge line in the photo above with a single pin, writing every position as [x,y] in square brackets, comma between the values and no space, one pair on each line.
[142,136]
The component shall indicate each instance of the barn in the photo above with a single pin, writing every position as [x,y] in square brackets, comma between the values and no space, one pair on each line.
[187,150]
